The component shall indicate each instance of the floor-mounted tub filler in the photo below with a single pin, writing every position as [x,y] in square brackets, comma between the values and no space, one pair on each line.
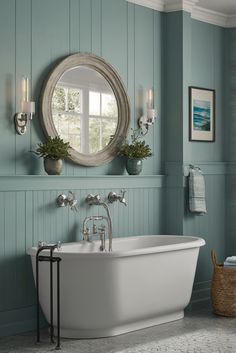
[144,281]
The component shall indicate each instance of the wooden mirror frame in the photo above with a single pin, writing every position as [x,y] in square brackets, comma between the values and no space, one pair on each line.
[109,73]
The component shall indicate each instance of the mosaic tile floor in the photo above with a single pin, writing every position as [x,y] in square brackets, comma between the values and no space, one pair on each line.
[196,333]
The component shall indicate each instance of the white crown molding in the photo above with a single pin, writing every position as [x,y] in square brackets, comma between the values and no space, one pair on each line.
[197,12]
[179,5]
[209,16]
[152,4]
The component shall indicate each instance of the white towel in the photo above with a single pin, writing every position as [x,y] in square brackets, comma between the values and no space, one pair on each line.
[231,259]
[197,201]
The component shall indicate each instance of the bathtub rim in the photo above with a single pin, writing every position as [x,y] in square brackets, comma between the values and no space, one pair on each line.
[190,243]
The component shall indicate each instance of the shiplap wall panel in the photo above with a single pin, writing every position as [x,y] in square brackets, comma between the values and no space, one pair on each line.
[7,87]
[144,58]
[30,216]
[85,23]
[23,68]
[34,38]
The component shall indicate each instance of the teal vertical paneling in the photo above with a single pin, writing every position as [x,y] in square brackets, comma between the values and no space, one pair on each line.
[85,21]
[174,87]
[231,211]
[23,68]
[187,71]
[131,61]
[74,15]
[174,210]
[230,70]
[203,54]
[96,26]
[29,231]
[36,35]
[158,84]
[144,58]
[20,259]
[10,242]
[7,87]
[230,142]
[50,43]
[207,70]
[219,84]
[114,31]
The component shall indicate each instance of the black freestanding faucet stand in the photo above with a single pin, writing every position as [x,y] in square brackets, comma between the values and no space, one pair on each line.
[51,259]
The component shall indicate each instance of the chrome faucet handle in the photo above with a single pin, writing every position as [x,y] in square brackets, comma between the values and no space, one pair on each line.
[68,200]
[73,203]
[41,243]
[93,199]
[113,196]
[102,228]
[122,197]
[86,233]
[59,245]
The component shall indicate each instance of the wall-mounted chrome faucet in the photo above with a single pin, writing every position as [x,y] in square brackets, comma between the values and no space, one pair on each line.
[113,196]
[68,200]
[96,200]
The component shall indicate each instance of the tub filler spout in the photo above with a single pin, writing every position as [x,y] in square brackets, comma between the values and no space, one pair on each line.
[96,200]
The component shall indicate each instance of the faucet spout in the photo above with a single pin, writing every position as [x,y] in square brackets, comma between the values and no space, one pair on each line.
[109,224]
[96,200]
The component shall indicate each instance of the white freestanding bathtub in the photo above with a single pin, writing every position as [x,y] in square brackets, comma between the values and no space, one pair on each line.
[145,281]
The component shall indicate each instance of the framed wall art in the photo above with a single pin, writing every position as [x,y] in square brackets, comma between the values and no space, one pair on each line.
[201,114]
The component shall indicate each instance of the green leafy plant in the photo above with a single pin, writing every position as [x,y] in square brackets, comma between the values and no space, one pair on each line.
[137,148]
[54,148]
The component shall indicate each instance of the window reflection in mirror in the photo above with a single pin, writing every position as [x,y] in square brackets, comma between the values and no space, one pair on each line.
[84,110]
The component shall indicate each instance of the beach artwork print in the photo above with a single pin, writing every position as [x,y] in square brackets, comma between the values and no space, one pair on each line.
[201,114]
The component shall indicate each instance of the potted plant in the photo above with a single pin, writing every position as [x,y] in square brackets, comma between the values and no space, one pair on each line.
[54,150]
[135,152]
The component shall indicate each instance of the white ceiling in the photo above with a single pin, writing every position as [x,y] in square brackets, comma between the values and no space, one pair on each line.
[227,7]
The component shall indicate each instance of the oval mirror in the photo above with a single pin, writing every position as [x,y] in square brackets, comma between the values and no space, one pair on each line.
[84,102]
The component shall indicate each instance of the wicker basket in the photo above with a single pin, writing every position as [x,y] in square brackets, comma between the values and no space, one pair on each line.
[223,289]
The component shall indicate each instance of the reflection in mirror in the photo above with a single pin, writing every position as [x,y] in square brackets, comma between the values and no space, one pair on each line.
[84,110]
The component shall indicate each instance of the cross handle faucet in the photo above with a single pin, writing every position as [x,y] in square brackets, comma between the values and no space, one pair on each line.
[113,196]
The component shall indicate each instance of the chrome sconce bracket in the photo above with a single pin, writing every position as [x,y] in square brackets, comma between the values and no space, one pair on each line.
[147,120]
[21,120]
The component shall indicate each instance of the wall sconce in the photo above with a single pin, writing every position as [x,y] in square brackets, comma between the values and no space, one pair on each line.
[27,109]
[147,120]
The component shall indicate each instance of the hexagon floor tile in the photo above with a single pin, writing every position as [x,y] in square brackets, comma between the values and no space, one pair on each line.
[200,332]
